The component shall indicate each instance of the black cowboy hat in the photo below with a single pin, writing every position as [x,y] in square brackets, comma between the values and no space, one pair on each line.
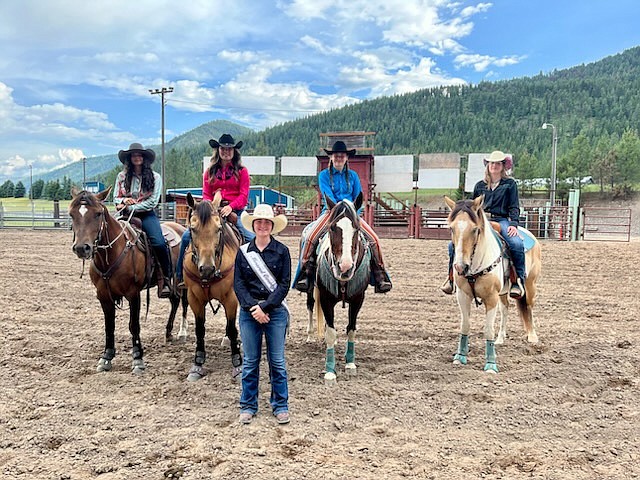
[148,154]
[340,147]
[225,140]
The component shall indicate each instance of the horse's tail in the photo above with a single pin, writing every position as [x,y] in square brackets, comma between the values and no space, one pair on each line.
[526,303]
[319,314]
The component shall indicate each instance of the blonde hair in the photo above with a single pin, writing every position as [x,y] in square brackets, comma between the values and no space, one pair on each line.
[487,175]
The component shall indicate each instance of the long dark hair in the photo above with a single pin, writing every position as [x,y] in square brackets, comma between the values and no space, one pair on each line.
[148,182]
[215,166]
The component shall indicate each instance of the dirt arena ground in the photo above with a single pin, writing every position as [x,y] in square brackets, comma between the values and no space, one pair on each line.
[564,409]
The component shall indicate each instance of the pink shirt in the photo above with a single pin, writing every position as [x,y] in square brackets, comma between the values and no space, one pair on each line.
[234,189]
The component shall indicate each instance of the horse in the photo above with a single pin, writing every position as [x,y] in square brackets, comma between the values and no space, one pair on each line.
[208,274]
[482,272]
[121,267]
[342,275]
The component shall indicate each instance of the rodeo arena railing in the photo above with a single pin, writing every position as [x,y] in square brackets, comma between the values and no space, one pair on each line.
[561,223]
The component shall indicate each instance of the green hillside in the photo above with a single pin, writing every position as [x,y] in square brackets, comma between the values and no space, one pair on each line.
[595,107]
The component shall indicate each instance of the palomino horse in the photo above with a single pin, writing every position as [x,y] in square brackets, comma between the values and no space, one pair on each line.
[120,267]
[208,274]
[482,272]
[343,275]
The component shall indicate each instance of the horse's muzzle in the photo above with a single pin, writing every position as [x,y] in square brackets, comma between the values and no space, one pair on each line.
[84,251]
[206,272]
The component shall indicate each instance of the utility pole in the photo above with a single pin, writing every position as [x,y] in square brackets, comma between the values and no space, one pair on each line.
[33,213]
[162,91]
[84,173]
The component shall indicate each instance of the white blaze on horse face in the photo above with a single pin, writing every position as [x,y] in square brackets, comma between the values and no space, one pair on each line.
[82,210]
[461,226]
[346,261]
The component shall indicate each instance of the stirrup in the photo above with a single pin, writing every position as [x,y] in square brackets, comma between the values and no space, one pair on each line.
[303,285]
[382,287]
[448,287]
[517,290]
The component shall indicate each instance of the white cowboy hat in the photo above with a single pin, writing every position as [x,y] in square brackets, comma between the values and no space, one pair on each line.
[498,156]
[265,211]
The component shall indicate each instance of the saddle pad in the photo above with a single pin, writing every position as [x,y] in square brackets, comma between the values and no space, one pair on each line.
[527,238]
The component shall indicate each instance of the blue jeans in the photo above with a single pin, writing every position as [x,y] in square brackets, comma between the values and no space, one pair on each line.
[516,249]
[151,226]
[186,240]
[274,332]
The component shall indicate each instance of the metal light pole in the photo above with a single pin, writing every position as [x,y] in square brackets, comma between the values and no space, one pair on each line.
[554,152]
[84,173]
[162,91]
[33,213]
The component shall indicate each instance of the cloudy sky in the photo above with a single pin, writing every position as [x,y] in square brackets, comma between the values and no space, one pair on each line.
[75,74]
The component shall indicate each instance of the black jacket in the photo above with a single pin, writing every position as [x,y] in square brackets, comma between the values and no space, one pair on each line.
[248,287]
[502,202]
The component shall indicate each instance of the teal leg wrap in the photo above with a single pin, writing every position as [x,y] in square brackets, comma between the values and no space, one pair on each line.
[330,365]
[490,357]
[350,356]
[463,349]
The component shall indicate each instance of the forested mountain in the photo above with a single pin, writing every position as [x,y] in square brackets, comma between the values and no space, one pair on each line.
[595,108]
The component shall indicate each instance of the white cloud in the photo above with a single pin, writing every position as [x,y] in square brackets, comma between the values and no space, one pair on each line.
[481,62]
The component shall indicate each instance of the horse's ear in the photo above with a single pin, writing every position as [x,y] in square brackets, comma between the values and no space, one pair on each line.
[450,203]
[74,191]
[330,203]
[217,198]
[190,201]
[103,194]
[478,202]
[358,202]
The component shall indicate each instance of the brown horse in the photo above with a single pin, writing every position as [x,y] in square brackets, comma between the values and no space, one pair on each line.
[343,274]
[121,267]
[208,274]
[482,272]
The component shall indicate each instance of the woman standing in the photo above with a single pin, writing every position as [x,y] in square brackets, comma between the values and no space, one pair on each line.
[227,174]
[338,182]
[138,189]
[502,204]
[261,282]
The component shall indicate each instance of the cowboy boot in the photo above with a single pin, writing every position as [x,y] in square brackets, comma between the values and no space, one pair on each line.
[380,275]
[307,274]
[448,286]
[517,289]
[164,281]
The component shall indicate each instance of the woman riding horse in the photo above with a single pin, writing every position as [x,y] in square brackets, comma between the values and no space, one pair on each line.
[337,182]
[501,203]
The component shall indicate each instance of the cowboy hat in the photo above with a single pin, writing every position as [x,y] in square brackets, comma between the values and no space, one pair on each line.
[265,211]
[225,140]
[148,154]
[498,156]
[340,147]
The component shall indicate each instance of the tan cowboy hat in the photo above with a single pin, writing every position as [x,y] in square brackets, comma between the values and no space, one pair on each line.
[498,156]
[264,210]
[148,154]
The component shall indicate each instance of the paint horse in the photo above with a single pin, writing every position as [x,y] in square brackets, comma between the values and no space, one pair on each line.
[481,271]
[208,275]
[121,267]
[343,274]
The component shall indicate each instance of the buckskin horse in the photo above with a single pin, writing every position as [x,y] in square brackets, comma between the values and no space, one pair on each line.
[343,274]
[121,267]
[208,274]
[481,274]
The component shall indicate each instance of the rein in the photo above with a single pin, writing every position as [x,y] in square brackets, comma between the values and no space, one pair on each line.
[471,278]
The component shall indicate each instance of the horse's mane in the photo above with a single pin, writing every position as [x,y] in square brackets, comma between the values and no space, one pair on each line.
[85,198]
[204,212]
[343,209]
[465,206]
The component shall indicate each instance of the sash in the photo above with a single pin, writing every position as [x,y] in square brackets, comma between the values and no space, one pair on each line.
[262,271]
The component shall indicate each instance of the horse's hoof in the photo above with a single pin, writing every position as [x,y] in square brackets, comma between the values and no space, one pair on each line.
[138,367]
[182,338]
[491,368]
[330,379]
[196,373]
[225,342]
[350,369]
[168,339]
[532,338]
[104,365]
[459,359]
[499,340]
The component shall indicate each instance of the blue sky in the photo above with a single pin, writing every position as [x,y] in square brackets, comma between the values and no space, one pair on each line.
[75,75]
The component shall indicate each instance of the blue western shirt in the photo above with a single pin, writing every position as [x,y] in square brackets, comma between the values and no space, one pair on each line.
[341,189]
